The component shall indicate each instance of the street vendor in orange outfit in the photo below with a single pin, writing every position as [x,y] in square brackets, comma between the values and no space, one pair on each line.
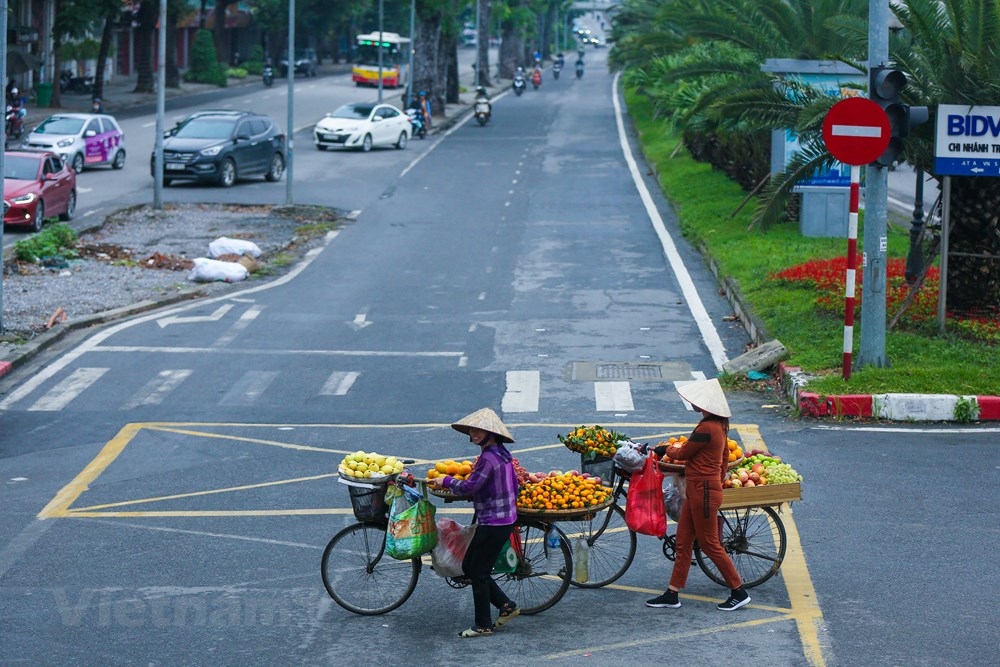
[706,459]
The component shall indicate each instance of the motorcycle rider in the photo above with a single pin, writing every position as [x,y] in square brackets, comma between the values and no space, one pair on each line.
[18,112]
[579,67]
[536,77]
[483,97]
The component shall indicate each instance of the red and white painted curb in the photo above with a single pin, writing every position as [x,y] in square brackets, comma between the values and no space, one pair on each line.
[892,407]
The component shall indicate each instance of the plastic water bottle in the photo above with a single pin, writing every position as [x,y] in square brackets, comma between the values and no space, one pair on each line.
[581,561]
[551,549]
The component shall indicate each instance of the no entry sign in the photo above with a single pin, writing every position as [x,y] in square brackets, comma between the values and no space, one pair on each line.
[856,131]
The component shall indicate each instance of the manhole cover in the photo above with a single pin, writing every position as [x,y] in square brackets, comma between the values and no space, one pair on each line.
[647,371]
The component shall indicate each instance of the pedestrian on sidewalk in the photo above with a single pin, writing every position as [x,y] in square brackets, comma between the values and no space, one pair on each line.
[706,459]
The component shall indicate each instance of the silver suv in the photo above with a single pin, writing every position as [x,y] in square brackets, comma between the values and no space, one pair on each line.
[305,63]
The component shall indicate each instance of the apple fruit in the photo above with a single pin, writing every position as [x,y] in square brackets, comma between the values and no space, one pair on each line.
[754,477]
[749,484]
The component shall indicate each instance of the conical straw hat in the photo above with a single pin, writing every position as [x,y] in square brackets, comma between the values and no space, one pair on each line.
[486,420]
[706,395]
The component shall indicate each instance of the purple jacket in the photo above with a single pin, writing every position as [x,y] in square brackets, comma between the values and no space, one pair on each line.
[492,486]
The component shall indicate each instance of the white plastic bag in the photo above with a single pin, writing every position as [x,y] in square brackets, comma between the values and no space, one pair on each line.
[629,456]
[227,246]
[210,270]
[453,542]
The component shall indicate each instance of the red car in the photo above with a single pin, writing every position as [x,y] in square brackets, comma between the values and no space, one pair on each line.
[36,186]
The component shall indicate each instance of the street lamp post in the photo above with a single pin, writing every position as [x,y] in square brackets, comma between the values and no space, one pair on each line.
[380,15]
[915,258]
[413,45]
[289,140]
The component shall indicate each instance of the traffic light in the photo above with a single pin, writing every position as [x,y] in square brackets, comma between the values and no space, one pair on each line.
[885,87]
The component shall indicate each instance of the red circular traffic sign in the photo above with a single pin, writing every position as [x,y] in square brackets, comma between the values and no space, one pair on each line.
[856,131]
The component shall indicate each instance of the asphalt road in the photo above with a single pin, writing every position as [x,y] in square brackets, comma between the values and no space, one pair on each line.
[168,481]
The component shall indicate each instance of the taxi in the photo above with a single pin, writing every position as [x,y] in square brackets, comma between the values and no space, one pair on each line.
[81,139]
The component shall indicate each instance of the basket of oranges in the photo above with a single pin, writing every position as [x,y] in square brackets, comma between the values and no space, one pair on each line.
[563,494]
[734,454]
[592,442]
[456,469]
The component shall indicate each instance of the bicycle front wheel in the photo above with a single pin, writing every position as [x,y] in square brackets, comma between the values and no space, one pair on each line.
[754,538]
[612,545]
[542,574]
[361,577]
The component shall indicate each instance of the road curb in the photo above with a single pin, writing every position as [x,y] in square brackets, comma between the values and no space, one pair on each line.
[889,407]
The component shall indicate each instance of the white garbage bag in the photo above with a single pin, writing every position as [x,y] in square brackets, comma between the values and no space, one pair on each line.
[227,246]
[211,270]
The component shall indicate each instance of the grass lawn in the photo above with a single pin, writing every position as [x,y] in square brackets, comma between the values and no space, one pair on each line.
[706,202]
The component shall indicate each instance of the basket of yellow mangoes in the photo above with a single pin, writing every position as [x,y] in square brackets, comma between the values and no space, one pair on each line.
[459,470]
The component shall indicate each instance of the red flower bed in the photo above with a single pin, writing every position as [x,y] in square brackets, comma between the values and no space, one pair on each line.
[828,277]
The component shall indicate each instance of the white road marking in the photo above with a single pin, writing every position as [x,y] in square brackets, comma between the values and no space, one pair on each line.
[248,388]
[245,319]
[339,383]
[60,396]
[522,392]
[611,396]
[214,317]
[701,317]
[360,321]
[158,388]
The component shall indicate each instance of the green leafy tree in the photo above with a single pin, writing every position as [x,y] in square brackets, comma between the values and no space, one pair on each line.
[205,66]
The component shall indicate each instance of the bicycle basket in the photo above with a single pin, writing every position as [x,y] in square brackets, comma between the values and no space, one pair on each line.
[369,503]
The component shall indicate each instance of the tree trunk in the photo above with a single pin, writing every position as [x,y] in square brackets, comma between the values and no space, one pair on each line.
[450,62]
[974,282]
[425,61]
[148,15]
[483,44]
[102,56]
[511,49]
[219,32]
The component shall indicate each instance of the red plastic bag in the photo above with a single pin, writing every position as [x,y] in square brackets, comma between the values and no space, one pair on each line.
[453,542]
[644,509]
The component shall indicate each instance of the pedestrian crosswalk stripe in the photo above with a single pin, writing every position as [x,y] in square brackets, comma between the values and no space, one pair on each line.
[339,383]
[248,388]
[60,396]
[613,396]
[522,392]
[158,388]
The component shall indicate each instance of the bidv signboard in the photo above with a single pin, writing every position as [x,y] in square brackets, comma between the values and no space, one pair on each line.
[967,141]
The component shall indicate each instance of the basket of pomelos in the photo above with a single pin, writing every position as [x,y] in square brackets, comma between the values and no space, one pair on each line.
[592,442]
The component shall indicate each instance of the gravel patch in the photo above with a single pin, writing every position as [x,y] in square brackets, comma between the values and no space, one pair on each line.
[140,254]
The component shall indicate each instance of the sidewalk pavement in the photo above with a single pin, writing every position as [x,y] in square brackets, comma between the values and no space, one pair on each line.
[119,97]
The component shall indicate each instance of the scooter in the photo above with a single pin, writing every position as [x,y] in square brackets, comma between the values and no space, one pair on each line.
[75,84]
[416,117]
[268,76]
[483,110]
[536,79]
[556,68]
[518,84]
[13,122]
[579,70]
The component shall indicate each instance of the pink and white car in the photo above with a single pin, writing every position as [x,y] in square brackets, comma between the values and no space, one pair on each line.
[81,139]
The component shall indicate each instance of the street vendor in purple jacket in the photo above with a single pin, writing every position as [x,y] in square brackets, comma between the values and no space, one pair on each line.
[492,485]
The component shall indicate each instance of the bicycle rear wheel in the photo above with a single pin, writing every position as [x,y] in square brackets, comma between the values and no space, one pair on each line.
[754,538]
[612,545]
[542,574]
[361,577]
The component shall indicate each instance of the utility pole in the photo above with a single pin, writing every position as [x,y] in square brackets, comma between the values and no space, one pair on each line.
[873,294]
[290,124]
[3,136]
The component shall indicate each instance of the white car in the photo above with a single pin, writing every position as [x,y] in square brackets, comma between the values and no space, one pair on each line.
[81,139]
[363,125]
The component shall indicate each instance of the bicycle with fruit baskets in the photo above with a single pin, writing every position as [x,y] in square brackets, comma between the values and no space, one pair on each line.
[750,530]
[362,578]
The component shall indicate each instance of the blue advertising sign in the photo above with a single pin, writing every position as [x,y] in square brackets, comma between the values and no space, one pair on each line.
[967,141]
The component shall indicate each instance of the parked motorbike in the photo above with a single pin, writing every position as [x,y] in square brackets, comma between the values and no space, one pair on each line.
[483,110]
[556,68]
[268,76]
[518,84]
[13,122]
[75,84]
[536,79]
[417,121]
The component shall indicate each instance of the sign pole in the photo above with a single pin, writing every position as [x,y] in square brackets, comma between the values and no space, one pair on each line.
[852,267]
[945,230]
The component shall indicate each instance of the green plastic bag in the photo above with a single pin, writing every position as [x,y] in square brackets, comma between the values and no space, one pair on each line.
[412,530]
